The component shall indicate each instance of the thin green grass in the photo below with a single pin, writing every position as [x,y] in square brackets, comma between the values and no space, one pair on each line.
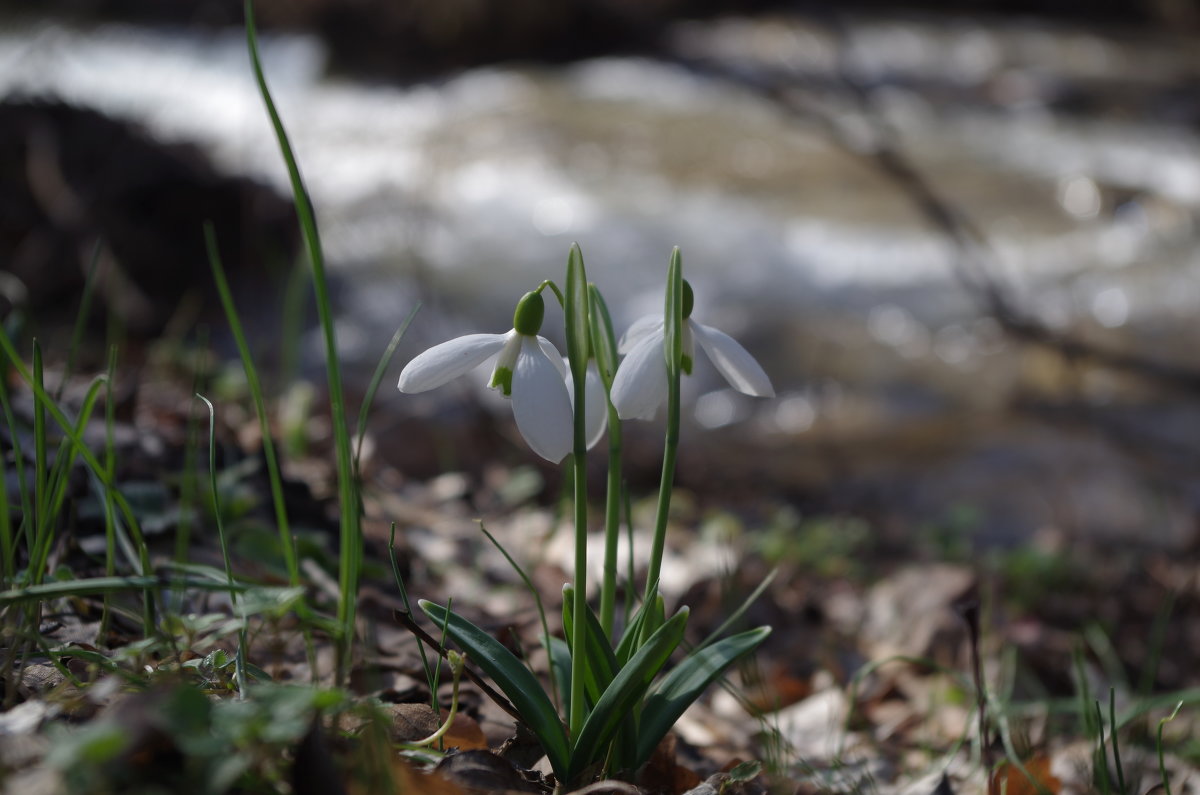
[240,656]
[350,530]
[286,543]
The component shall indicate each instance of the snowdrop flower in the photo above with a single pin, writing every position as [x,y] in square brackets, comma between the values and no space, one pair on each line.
[640,385]
[528,369]
[595,401]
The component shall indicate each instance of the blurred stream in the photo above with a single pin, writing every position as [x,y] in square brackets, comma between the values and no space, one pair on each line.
[1076,151]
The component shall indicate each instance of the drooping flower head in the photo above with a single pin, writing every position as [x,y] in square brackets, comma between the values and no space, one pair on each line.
[640,385]
[528,369]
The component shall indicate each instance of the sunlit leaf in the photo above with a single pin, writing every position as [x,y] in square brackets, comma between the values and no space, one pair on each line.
[513,678]
[684,685]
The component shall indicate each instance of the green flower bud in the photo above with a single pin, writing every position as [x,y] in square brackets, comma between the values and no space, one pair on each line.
[688,300]
[531,310]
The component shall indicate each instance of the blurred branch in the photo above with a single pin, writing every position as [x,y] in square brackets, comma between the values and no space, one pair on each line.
[974,263]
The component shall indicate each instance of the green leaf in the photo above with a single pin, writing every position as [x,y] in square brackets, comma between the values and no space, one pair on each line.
[601,665]
[626,690]
[513,678]
[604,341]
[684,685]
[673,328]
[576,311]
[560,661]
[635,629]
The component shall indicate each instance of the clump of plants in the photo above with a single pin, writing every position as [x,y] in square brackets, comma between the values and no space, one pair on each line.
[620,701]
[611,673]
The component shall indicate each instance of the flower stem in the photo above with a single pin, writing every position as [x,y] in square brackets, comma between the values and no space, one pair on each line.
[673,318]
[575,310]
[612,524]
[665,486]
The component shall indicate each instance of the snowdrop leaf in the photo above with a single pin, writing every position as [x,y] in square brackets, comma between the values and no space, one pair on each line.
[513,678]
[576,311]
[684,685]
[604,343]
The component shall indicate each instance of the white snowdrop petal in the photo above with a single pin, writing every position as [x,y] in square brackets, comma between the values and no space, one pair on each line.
[733,361]
[556,358]
[540,404]
[447,361]
[637,332]
[596,405]
[640,385]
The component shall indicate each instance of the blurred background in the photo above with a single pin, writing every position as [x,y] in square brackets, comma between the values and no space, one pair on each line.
[961,237]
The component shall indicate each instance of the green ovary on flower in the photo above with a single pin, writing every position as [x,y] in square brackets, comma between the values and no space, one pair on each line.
[528,316]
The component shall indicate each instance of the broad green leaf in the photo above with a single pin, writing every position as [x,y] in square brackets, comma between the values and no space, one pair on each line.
[643,625]
[601,668]
[626,690]
[560,661]
[513,678]
[601,665]
[684,685]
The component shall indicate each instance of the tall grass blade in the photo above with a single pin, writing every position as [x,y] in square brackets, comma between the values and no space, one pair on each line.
[350,531]
[240,656]
[1162,764]
[737,614]
[14,434]
[81,318]
[110,467]
[1112,730]
[286,542]
[376,379]
[94,586]
[56,487]
[1100,755]
[430,678]
[97,470]
[537,600]
[41,464]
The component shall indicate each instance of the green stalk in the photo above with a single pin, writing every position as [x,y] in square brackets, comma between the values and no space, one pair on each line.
[673,350]
[27,512]
[286,542]
[110,467]
[240,657]
[576,311]
[350,529]
[76,438]
[604,349]
[612,524]
[8,553]
[81,318]
[187,483]
[41,464]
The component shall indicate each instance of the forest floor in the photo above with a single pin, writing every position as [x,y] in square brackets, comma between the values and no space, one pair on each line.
[868,682]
